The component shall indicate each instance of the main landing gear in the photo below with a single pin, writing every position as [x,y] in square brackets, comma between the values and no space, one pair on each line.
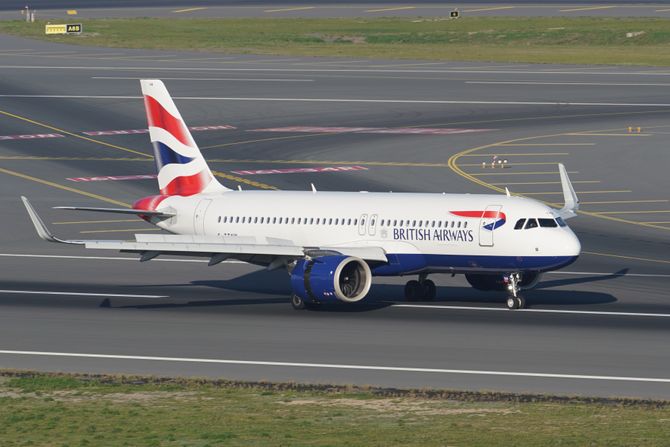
[422,290]
[514,300]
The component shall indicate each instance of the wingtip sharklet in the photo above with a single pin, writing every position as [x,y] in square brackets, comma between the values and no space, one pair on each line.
[41,228]
[571,201]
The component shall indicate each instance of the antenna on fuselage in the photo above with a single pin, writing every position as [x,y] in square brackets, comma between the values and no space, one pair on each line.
[239,187]
[313,187]
[507,192]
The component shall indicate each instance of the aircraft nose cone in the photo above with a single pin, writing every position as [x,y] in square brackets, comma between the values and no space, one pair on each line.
[572,245]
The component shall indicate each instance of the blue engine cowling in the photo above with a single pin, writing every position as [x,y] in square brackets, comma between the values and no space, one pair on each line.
[331,278]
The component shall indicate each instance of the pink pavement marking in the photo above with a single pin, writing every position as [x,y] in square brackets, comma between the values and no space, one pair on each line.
[382,130]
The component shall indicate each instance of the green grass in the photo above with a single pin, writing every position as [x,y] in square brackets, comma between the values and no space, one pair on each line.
[580,40]
[61,410]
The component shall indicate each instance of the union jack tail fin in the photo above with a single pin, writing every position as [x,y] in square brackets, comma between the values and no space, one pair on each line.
[182,170]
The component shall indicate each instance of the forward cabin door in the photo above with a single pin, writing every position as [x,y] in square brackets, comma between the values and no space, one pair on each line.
[487,225]
[199,216]
[372,227]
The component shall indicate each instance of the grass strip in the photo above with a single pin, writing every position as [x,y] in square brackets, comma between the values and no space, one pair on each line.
[81,410]
[577,40]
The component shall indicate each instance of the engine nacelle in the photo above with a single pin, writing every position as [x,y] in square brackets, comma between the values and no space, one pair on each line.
[331,279]
[482,281]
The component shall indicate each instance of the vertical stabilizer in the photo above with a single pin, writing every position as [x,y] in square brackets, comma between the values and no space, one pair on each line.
[182,170]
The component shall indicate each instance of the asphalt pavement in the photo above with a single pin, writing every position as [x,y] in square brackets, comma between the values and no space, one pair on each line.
[71,134]
[50,9]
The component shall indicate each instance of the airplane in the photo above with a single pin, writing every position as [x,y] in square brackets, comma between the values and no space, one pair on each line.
[333,243]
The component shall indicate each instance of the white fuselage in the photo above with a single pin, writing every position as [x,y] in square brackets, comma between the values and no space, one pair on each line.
[423,231]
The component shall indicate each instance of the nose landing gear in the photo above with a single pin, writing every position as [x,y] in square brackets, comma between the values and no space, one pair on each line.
[423,289]
[514,300]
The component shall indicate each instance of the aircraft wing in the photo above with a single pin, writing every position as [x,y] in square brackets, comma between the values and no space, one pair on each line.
[268,251]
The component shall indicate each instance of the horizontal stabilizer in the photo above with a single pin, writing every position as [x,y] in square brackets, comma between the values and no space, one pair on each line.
[159,214]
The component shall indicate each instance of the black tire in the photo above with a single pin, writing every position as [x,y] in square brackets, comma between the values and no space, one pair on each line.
[297,302]
[511,303]
[520,302]
[429,290]
[413,290]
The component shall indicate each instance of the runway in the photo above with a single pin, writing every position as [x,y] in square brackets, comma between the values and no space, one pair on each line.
[71,134]
[50,9]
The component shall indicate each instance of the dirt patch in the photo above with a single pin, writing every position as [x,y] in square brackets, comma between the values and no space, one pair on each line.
[79,396]
[419,407]
[338,38]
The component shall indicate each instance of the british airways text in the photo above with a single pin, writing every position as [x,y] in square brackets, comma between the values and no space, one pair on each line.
[442,235]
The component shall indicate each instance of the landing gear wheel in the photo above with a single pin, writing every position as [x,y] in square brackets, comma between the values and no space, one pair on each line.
[515,302]
[413,290]
[297,302]
[520,302]
[429,290]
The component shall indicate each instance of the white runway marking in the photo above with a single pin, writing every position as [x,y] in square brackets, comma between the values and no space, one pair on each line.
[339,366]
[641,275]
[339,70]
[603,84]
[110,258]
[359,100]
[545,311]
[105,295]
[212,79]
[97,258]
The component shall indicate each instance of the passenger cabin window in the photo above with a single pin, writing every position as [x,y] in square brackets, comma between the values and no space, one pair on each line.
[532,223]
[547,223]
[519,224]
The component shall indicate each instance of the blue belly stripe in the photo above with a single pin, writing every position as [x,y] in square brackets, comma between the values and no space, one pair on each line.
[413,263]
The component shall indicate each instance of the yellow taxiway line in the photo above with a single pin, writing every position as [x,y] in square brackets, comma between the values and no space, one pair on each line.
[94,221]
[608,202]
[64,188]
[634,258]
[528,154]
[545,183]
[129,230]
[578,192]
[635,212]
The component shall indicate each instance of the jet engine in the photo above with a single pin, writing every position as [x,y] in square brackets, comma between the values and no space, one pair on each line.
[487,282]
[331,278]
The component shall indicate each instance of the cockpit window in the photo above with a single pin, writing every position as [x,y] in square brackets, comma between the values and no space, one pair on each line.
[561,222]
[519,224]
[547,223]
[532,223]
